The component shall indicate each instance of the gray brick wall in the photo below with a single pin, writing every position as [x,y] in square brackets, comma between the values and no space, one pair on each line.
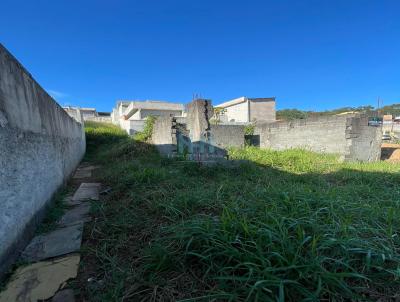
[349,137]
[224,136]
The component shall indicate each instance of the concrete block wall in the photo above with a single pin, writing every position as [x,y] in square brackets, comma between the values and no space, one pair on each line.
[363,141]
[324,135]
[164,135]
[348,136]
[40,147]
[224,136]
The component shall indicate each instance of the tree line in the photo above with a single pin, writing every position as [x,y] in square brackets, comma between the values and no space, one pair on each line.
[291,114]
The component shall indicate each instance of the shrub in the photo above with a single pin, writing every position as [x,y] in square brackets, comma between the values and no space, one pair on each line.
[145,135]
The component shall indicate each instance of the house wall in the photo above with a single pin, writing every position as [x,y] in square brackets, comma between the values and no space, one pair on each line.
[40,146]
[114,116]
[146,112]
[99,119]
[262,110]
[136,116]
[238,112]
[135,126]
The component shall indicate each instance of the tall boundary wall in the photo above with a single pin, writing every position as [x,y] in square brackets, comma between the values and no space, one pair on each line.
[348,136]
[40,147]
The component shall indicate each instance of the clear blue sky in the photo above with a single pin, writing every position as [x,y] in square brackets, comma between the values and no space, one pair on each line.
[308,54]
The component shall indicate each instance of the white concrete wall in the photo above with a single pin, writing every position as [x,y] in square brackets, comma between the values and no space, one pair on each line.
[135,116]
[238,113]
[40,147]
[146,112]
[135,126]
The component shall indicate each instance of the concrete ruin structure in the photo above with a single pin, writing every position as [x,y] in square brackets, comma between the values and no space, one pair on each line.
[131,115]
[40,147]
[247,110]
[195,137]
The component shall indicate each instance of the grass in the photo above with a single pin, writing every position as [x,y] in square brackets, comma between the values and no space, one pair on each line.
[54,212]
[285,226]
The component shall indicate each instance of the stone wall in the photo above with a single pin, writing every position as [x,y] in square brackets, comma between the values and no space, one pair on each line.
[40,147]
[348,136]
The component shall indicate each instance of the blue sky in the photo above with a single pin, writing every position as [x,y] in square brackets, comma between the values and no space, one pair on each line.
[312,55]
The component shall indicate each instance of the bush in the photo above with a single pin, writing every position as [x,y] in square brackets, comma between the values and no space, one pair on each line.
[145,135]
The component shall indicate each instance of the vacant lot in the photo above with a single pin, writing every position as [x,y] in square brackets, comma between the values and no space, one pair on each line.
[283,226]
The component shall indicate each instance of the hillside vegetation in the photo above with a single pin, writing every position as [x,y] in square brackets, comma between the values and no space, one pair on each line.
[291,114]
[282,226]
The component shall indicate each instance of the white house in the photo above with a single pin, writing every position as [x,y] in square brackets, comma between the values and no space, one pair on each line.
[245,110]
[131,115]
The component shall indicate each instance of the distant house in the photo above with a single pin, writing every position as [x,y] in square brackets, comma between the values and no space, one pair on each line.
[387,119]
[88,114]
[131,115]
[245,110]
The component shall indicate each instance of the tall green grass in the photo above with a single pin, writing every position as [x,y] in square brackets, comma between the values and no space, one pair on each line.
[285,226]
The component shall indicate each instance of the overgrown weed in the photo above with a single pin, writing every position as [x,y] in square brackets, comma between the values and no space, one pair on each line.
[286,226]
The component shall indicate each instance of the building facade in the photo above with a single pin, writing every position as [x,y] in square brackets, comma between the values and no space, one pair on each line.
[88,114]
[131,115]
[246,110]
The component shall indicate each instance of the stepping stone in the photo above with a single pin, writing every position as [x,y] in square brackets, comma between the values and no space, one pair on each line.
[69,202]
[90,167]
[87,191]
[65,295]
[41,280]
[84,171]
[75,215]
[80,173]
[57,243]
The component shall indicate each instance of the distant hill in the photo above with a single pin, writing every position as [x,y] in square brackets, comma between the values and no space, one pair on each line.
[291,114]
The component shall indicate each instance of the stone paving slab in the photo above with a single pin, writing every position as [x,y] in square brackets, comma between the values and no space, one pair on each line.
[81,173]
[69,202]
[90,167]
[76,215]
[57,243]
[65,295]
[87,191]
[41,280]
